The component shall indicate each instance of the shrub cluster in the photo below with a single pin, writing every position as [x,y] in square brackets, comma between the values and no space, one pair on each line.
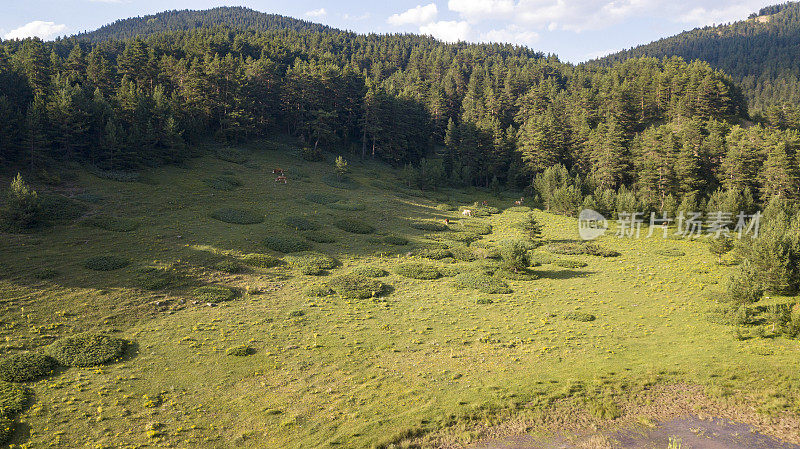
[237,216]
[6,429]
[428,225]
[114,224]
[213,294]
[22,206]
[318,290]
[311,263]
[261,260]
[415,270]
[86,349]
[464,253]
[354,226]
[575,249]
[446,207]
[284,245]
[225,183]
[369,271]
[518,209]
[395,240]
[564,263]
[461,236]
[481,282]
[228,266]
[240,351]
[579,316]
[106,263]
[434,252]
[155,278]
[46,273]
[231,155]
[13,399]
[478,227]
[55,208]
[353,286]
[520,275]
[301,223]
[26,366]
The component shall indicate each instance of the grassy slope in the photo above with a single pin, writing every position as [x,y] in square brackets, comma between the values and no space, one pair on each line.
[351,372]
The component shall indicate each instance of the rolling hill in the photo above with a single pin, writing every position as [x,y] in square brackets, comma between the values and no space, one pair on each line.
[760,53]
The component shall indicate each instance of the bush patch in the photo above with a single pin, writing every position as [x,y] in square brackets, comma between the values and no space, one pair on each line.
[86,349]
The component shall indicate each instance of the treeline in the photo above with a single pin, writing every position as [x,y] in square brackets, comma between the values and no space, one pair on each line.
[759,53]
[459,114]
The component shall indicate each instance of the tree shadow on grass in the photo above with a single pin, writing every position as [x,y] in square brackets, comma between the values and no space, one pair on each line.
[563,274]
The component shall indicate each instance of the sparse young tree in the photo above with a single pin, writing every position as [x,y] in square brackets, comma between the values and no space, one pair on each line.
[340,167]
[515,255]
[21,210]
[720,246]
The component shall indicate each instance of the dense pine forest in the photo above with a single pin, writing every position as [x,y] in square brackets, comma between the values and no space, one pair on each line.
[760,53]
[664,132]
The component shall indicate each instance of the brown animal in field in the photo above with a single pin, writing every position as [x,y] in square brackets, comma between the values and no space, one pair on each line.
[281,179]
[447,221]
[278,171]
[518,203]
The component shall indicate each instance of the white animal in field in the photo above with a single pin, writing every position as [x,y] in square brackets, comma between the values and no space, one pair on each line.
[467,213]
[518,203]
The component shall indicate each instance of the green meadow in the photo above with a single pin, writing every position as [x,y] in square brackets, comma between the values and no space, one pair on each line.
[339,312]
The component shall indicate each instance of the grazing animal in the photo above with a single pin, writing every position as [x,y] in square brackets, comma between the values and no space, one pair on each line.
[467,213]
[281,179]
[278,171]
[518,203]
[447,221]
[485,203]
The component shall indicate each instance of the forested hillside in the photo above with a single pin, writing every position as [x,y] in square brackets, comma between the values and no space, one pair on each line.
[760,53]
[666,131]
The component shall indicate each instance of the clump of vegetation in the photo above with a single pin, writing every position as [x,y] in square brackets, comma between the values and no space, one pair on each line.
[224,183]
[213,294]
[670,252]
[46,273]
[340,167]
[603,408]
[114,224]
[348,206]
[312,154]
[481,282]
[228,266]
[580,316]
[720,246]
[301,223]
[231,155]
[464,253]
[395,240]
[156,277]
[514,254]
[566,263]
[261,260]
[518,209]
[13,399]
[319,237]
[285,245]
[323,198]
[369,271]
[744,286]
[59,208]
[237,216]
[311,263]
[318,290]
[461,236]
[532,228]
[427,225]
[478,227]
[415,270]
[22,208]
[446,207]
[6,429]
[86,349]
[26,366]
[106,263]
[576,249]
[537,259]
[354,226]
[434,252]
[241,351]
[354,286]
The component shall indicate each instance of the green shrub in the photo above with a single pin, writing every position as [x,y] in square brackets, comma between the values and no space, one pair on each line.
[353,286]
[46,273]
[518,209]
[564,263]
[228,266]
[575,249]
[114,224]
[318,290]
[484,301]
[237,216]
[13,399]
[395,240]
[213,294]
[369,271]
[261,260]
[348,206]
[319,237]
[323,198]
[429,225]
[240,351]
[478,227]
[354,226]
[57,208]
[6,429]
[592,249]
[286,244]
[463,237]
[669,252]
[433,252]
[106,263]
[745,286]
[231,155]
[155,278]
[301,223]
[464,253]
[22,208]
[446,207]
[311,263]
[580,316]
[415,270]
[481,282]
[312,154]
[86,349]
[224,183]
[514,254]
[26,366]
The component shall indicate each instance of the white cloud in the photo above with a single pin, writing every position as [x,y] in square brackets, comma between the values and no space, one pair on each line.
[419,15]
[511,34]
[364,16]
[447,30]
[701,16]
[316,13]
[481,9]
[38,28]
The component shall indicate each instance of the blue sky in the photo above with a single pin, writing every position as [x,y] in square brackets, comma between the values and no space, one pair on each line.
[575,30]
